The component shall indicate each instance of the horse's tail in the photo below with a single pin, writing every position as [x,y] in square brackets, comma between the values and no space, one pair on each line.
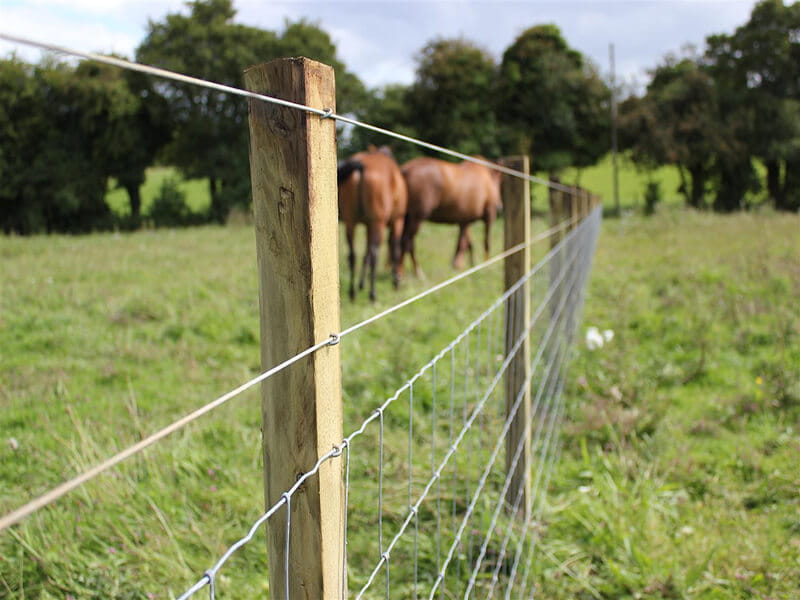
[346,168]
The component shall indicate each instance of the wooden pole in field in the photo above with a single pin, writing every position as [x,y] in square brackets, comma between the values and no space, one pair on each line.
[293,176]
[573,207]
[585,202]
[517,225]
[558,213]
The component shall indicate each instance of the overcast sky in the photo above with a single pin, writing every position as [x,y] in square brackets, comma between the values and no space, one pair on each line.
[378,40]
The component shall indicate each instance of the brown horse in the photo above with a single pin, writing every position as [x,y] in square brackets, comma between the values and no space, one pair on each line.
[372,191]
[445,192]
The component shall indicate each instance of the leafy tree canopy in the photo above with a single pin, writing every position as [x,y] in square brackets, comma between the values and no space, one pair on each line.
[551,102]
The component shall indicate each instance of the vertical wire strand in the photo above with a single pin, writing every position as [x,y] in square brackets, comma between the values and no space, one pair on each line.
[380,492]
[470,435]
[346,511]
[433,472]
[452,430]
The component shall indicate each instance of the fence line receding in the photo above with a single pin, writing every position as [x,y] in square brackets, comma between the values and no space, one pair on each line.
[482,415]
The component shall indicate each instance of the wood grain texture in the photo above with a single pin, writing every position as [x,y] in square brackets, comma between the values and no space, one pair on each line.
[293,177]
[517,226]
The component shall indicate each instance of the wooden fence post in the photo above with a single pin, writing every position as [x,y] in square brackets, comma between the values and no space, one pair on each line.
[587,203]
[293,177]
[573,207]
[517,225]
[556,213]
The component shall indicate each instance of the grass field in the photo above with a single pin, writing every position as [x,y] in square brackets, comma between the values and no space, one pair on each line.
[678,476]
[197,194]
[598,179]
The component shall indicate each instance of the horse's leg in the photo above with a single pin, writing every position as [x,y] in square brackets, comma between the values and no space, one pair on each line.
[374,238]
[410,230]
[461,245]
[351,257]
[365,262]
[395,249]
[469,247]
[488,220]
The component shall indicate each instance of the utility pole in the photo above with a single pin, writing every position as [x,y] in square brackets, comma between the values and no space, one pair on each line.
[614,129]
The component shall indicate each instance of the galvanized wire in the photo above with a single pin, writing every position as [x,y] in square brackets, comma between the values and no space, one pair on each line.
[580,241]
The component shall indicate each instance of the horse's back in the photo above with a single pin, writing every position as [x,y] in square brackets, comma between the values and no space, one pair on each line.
[386,196]
[446,192]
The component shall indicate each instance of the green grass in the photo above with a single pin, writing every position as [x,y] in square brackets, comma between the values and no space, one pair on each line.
[678,475]
[599,179]
[632,181]
[197,194]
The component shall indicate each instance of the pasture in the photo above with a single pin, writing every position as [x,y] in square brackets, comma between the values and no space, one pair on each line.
[678,475]
[597,178]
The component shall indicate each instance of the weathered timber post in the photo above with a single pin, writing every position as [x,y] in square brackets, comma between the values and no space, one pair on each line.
[558,214]
[293,177]
[517,225]
[574,207]
[587,203]
[554,197]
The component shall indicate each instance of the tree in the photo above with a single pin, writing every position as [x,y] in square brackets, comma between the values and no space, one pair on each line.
[551,102]
[759,69]
[128,139]
[21,126]
[676,123]
[55,137]
[304,38]
[387,108]
[210,130]
[210,127]
[450,99]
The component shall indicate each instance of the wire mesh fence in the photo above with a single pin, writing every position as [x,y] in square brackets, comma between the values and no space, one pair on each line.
[430,509]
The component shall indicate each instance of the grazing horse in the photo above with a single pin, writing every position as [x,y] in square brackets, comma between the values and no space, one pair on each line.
[372,191]
[445,192]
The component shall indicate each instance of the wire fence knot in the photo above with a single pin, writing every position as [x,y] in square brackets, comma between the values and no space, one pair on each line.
[326,113]
[334,339]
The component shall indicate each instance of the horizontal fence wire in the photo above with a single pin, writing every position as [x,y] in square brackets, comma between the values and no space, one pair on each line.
[324,112]
[562,298]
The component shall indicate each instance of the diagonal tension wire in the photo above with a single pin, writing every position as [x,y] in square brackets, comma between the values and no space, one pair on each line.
[68,486]
[325,113]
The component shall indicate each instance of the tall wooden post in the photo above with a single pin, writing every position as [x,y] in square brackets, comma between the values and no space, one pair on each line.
[558,214]
[585,201]
[573,209]
[293,176]
[517,222]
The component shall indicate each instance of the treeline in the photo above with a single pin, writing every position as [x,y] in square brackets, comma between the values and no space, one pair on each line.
[68,129]
[718,114]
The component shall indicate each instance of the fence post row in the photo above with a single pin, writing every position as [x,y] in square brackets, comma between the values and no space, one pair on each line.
[517,228]
[293,177]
